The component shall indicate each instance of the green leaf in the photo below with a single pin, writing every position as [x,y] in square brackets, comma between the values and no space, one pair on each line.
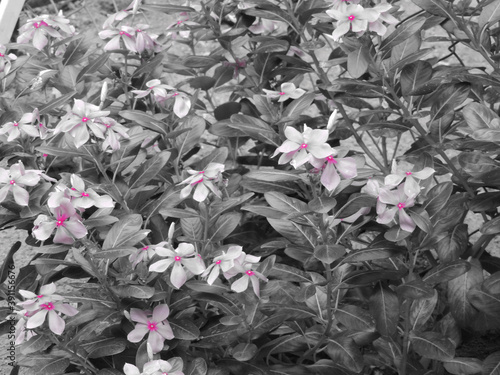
[478,116]
[403,50]
[149,66]
[355,318]
[143,119]
[450,98]
[414,75]
[194,126]
[284,203]
[415,289]
[463,366]
[460,307]
[197,367]
[355,203]
[298,106]
[53,366]
[244,351]
[192,228]
[384,305]
[446,272]
[344,351]
[432,345]
[116,252]
[484,301]
[107,347]
[136,291]
[329,253]
[294,232]
[453,245]
[322,205]
[367,277]
[8,263]
[149,170]
[167,8]
[274,45]
[491,227]
[93,66]
[288,273]
[491,365]
[285,344]
[489,15]
[422,309]
[435,7]
[202,82]
[122,231]
[35,344]
[358,61]
[57,103]
[485,202]
[255,128]
[438,197]
[76,49]
[184,329]
[274,13]
[224,226]
[402,33]
[379,251]
[274,175]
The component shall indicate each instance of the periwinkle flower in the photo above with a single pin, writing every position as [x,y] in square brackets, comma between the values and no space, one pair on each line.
[333,167]
[377,26]
[202,182]
[351,17]
[155,324]
[38,29]
[298,147]
[5,59]
[399,202]
[67,223]
[182,258]
[15,179]
[156,367]
[126,34]
[145,41]
[154,86]
[287,91]
[404,171]
[113,131]
[24,126]
[222,263]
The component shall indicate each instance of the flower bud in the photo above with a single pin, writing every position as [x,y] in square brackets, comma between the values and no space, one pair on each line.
[331,122]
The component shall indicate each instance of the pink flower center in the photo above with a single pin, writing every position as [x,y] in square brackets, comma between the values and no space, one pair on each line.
[39,296]
[84,194]
[139,30]
[122,32]
[197,182]
[73,188]
[177,259]
[108,125]
[12,182]
[85,119]
[36,25]
[2,55]
[47,306]
[351,17]
[179,22]
[45,155]
[282,93]
[303,145]
[59,223]
[401,206]
[16,124]
[249,272]
[145,248]
[330,159]
[40,125]
[152,326]
[60,220]
[176,93]
[200,172]
[218,262]
[408,173]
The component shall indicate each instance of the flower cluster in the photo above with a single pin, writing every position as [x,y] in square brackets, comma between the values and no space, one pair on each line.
[311,146]
[24,126]
[15,179]
[38,307]
[157,367]
[233,263]
[353,17]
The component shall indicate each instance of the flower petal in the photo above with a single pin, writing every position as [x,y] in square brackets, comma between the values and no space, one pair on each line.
[156,341]
[406,222]
[138,333]
[178,276]
[160,313]
[241,284]
[21,196]
[138,315]
[330,178]
[56,323]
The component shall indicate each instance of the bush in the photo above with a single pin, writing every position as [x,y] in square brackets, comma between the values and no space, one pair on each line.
[266,187]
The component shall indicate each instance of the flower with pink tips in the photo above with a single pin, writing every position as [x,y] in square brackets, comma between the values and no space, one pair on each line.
[352,17]
[46,304]
[202,182]
[5,59]
[67,223]
[287,91]
[145,41]
[404,171]
[154,86]
[77,122]
[23,334]
[14,180]
[156,367]
[183,258]
[155,325]
[334,166]
[243,265]
[222,263]
[24,126]
[113,132]
[40,28]
[399,202]
[299,147]
[145,253]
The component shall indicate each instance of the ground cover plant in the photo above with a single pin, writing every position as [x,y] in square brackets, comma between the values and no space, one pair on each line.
[264,187]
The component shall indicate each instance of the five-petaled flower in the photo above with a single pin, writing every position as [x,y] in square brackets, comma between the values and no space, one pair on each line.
[113,131]
[222,263]
[156,367]
[351,17]
[202,182]
[75,123]
[330,179]
[384,16]
[404,171]
[145,253]
[15,179]
[67,223]
[287,91]
[5,59]
[124,33]
[46,304]
[23,126]
[182,258]
[41,27]
[300,146]
[155,324]
[243,265]
[399,202]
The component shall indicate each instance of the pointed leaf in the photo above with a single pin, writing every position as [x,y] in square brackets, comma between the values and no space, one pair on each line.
[402,33]
[344,351]
[432,345]
[122,231]
[384,305]
[358,61]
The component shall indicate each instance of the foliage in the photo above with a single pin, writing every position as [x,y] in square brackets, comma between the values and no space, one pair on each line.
[145,170]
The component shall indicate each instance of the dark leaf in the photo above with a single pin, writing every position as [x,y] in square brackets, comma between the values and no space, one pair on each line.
[384,305]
